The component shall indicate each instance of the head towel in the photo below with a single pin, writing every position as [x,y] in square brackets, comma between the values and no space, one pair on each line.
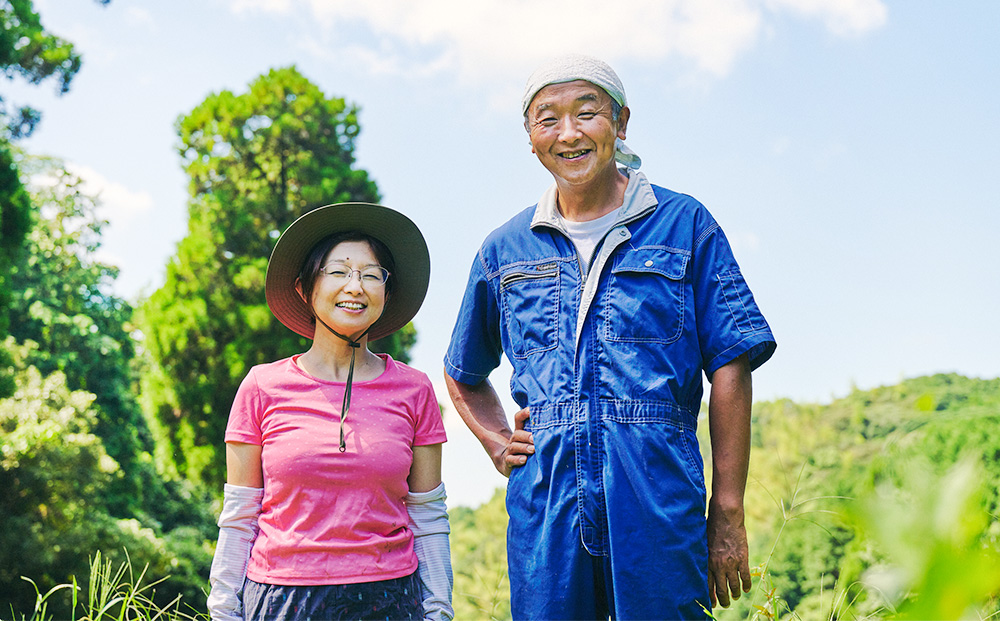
[579,67]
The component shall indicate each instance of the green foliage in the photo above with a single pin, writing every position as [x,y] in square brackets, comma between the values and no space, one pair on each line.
[15,220]
[77,472]
[479,559]
[813,467]
[256,161]
[55,478]
[62,302]
[939,563]
[112,595]
[397,344]
[29,51]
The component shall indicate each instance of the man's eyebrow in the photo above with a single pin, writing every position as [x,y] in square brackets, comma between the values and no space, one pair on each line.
[582,98]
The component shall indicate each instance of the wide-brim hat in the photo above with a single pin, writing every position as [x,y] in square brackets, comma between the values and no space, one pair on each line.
[400,235]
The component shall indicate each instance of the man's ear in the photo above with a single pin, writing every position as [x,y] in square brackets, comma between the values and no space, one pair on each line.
[623,116]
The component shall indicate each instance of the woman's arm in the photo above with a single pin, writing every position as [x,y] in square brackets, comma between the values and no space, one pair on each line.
[425,473]
[241,505]
[243,465]
[429,523]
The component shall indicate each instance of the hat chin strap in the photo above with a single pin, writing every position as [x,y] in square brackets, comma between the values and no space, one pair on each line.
[355,345]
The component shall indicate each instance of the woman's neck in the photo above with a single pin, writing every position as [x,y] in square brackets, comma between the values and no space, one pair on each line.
[330,359]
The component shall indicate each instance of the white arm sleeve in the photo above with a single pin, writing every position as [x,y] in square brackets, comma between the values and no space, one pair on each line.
[429,523]
[237,532]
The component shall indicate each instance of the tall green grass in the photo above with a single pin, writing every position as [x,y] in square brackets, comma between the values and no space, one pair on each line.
[112,595]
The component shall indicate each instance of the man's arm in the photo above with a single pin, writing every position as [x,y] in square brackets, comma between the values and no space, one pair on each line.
[729,428]
[480,408]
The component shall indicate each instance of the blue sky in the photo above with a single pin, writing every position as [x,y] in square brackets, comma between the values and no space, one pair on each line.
[849,148]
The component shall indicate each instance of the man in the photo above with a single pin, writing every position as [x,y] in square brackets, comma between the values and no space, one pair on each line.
[610,297]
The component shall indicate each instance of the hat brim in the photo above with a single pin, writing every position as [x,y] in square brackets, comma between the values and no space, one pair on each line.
[400,235]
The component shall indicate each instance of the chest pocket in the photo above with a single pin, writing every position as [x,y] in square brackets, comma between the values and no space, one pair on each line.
[531,303]
[646,295]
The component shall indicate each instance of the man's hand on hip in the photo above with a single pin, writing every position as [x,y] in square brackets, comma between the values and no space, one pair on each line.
[520,446]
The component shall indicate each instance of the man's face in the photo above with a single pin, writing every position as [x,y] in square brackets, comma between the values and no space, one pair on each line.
[572,132]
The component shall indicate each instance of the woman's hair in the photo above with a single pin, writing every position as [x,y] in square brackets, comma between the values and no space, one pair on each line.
[310,269]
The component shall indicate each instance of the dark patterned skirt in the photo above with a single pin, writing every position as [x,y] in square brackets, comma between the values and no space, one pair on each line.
[386,600]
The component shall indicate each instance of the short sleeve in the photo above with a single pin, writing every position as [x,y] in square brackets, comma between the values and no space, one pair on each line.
[429,428]
[475,347]
[729,322]
[245,415]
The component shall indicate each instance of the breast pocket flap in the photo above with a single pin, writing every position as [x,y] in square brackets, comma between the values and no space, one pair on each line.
[669,263]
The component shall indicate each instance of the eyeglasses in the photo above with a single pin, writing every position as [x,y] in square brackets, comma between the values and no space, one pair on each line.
[371,276]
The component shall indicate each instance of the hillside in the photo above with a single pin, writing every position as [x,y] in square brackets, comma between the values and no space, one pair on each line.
[840,497]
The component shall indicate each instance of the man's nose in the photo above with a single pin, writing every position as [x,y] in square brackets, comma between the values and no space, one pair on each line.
[569,130]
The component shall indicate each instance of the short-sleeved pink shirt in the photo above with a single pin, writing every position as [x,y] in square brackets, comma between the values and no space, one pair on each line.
[330,517]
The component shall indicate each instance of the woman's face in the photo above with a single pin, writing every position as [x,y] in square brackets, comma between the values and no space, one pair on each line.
[347,294]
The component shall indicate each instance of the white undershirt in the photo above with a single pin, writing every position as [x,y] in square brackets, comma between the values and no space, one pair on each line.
[586,235]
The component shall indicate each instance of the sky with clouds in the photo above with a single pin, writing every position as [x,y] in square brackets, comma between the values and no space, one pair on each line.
[849,148]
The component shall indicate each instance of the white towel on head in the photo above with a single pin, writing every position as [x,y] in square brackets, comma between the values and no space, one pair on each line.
[580,67]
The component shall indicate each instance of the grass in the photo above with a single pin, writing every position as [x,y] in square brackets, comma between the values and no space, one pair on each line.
[112,595]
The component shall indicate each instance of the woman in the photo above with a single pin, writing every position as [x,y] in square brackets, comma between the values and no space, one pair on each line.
[334,505]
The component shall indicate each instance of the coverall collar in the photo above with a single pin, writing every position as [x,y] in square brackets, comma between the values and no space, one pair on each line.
[639,198]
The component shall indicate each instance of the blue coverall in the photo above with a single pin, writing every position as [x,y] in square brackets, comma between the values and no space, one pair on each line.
[607,518]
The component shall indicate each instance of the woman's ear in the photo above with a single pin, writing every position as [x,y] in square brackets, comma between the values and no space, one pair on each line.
[298,289]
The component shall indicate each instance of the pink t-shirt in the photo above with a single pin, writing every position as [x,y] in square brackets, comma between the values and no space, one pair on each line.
[330,517]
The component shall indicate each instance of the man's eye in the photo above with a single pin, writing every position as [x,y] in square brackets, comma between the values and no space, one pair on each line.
[587,115]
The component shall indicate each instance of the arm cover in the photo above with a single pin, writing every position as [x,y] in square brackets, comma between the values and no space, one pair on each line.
[429,523]
[237,531]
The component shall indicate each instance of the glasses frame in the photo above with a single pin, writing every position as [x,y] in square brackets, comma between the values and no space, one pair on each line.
[361,276]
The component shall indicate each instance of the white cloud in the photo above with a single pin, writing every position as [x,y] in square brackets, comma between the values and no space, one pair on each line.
[116,203]
[841,17]
[484,38]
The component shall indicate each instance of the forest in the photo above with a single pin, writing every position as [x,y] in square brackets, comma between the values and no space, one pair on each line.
[882,504]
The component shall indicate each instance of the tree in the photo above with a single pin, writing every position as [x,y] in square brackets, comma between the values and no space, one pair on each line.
[479,553]
[839,491]
[71,326]
[56,487]
[15,218]
[29,51]
[62,301]
[256,161]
